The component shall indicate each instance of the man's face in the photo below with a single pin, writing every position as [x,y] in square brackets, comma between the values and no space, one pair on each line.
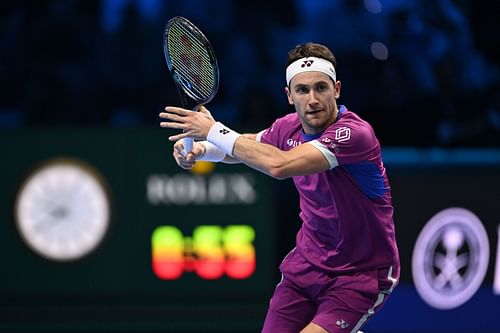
[314,96]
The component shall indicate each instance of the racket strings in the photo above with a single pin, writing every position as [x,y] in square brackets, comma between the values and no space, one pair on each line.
[191,60]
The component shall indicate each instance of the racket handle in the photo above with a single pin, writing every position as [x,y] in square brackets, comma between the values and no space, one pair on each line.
[188,142]
[188,145]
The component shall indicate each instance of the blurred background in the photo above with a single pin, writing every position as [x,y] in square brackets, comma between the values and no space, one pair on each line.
[100,63]
[82,83]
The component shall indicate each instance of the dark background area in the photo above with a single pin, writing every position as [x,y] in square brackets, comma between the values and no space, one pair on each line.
[424,73]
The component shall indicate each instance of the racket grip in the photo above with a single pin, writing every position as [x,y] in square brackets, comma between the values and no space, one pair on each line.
[188,145]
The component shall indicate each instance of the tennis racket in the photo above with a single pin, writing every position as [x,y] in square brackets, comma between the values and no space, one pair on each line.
[192,64]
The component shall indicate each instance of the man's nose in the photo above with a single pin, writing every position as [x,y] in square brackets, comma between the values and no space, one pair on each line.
[313,97]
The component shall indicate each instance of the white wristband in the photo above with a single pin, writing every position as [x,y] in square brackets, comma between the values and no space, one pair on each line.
[212,153]
[223,137]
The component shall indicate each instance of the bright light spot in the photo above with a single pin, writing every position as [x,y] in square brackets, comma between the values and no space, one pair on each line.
[373,6]
[379,51]
[203,167]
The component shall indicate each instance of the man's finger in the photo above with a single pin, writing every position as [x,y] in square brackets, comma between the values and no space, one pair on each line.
[177,137]
[174,125]
[179,147]
[190,157]
[176,110]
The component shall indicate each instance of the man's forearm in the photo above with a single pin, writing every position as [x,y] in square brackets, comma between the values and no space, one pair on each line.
[233,160]
[262,157]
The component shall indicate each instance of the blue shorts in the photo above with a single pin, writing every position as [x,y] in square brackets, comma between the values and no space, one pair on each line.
[339,304]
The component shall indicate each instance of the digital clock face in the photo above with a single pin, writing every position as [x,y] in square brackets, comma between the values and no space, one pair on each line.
[212,251]
[63,209]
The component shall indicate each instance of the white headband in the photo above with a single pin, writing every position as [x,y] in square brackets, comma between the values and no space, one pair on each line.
[310,64]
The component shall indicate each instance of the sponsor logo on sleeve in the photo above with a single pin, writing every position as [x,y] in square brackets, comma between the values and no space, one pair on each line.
[342,134]
[329,143]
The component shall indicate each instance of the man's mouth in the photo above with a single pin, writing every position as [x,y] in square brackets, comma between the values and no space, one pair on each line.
[314,111]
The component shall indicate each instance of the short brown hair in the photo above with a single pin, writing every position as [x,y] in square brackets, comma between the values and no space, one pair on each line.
[311,50]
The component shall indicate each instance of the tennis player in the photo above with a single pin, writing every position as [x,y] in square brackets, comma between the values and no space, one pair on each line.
[346,262]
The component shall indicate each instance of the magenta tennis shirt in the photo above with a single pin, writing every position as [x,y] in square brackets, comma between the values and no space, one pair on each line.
[346,211]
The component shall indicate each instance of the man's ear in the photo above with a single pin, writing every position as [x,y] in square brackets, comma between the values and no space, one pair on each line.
[289,96]
[337,89]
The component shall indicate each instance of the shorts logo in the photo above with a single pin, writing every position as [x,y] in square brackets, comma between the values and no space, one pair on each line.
[342,323]
[342,134]
[450,258]
[307,63]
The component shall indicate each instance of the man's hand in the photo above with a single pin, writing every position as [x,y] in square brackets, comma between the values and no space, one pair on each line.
[193,124]
[188,161]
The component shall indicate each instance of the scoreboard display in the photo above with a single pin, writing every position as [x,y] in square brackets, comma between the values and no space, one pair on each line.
[212,252]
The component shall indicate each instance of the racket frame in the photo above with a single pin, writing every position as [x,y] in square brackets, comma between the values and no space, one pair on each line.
[198,34]
[189,100]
